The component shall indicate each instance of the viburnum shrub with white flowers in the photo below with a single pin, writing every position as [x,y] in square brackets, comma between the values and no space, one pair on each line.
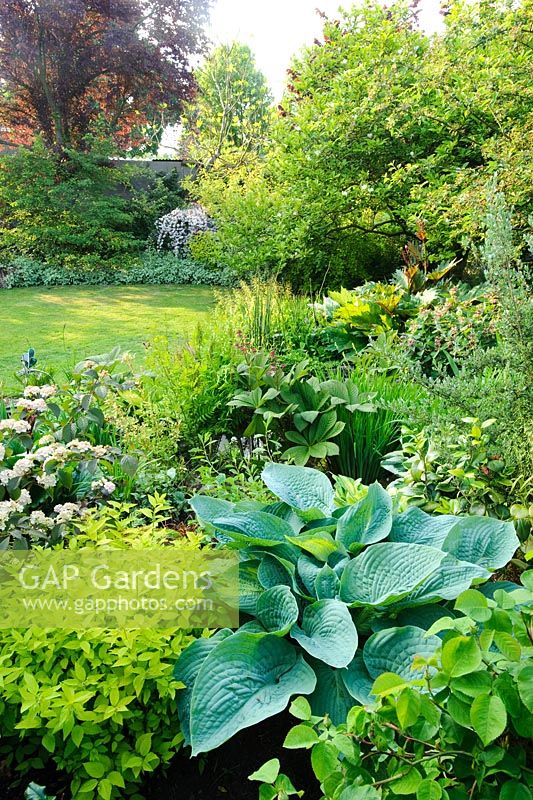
[54,464]
[176,229]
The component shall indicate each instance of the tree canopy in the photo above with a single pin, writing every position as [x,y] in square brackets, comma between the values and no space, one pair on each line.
[229,118]
[381,126]
[69,68]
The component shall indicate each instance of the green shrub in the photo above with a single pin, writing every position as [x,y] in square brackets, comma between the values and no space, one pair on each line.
[99,704]
[460,732]
[315,581]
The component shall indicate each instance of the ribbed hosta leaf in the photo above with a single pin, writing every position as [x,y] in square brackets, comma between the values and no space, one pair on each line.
[243,681]
[186,670]
[254,527]
[331,696]
[485,541]
[274,571]
[327,633]
[414,526]
[277,610]
[302,488]
[327,583]
[250,590]
[387,572]
[451,579]
[209,508]
[394,649]
[358,681]
[368,521]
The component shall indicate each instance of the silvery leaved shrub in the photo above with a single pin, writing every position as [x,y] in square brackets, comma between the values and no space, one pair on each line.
[330,599]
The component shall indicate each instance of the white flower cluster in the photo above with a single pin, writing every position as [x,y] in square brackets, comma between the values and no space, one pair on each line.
[9,507]
[177,228]
[33,406]
[14,425]
[46,391]
[103,485]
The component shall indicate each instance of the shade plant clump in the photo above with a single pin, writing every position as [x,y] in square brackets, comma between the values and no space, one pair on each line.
[334,597]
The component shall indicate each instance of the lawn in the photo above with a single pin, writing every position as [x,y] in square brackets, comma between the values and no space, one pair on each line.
[66,324]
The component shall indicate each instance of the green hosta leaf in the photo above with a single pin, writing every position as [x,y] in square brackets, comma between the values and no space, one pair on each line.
[328,633]
[330,695]
[186,671]
[274,571]
[320,545]
[254,528]
[488,542]
[277,610]
[327,583]
[414,526]
[301,736]
[524,682]
[308,569]
[301,488]
[460,656]
[488,717]
[267,773]
[387,572]
[368,521]
[395,649]
[358,681]
[209,508]
[243,681]
[250,590]
[448,581]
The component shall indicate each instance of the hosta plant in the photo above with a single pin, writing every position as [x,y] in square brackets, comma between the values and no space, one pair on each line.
[331,598]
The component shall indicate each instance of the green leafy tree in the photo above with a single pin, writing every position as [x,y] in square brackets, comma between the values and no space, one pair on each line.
[228,121]
[382,125]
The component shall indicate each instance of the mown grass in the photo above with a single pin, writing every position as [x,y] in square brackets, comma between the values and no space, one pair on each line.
[66,324]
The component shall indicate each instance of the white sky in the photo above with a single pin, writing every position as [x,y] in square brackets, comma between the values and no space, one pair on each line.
[276,29]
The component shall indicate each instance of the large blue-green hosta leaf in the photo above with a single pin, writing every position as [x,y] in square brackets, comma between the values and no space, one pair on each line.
[394,650]
[277,610]
[302,488]
[327,633]
[250,590]
[331,696]
[209,508]
[449,581]
[387,572]
[367,522]
[254,528]
[488,542]
[246,679]
[274,571]
[414,526]
[186,670]
[358,681]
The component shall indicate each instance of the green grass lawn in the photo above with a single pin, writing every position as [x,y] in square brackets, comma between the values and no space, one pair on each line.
[66,324]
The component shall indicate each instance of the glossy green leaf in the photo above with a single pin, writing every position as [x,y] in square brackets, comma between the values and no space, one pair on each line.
[524,682]
[267,773]
[488,717]
[301,736]
[460,656]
